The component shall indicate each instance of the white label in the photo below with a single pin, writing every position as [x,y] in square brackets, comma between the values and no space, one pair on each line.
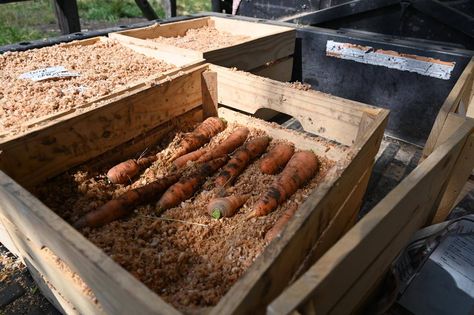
[48,73]
[391,59]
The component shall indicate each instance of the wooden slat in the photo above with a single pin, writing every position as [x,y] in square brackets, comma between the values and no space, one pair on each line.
[449,106]
[340,280]
[74,139]
[209,93]
[272,270]
[322,114]
[280,70]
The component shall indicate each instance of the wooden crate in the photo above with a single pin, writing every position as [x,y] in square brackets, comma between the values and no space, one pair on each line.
[181,62]
[346,275]
[78,277]
[460,101]
[267,43]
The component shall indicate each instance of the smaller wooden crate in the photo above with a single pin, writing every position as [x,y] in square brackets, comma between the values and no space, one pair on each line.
[78,277]
[344,278]
[460,101]
[180,62]
[267,43]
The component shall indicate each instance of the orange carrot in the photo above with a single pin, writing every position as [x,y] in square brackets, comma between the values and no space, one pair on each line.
[301,168]
[191,156]
[233,141]
[124,204]
[226,206]
[187,186]
[281,222]
[200,136]
[125,171]
[276,158]
[241,158]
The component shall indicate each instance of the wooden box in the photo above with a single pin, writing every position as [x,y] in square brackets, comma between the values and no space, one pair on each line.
[460,101]
[78,277]
[180,62]
[266,44]
[342,281]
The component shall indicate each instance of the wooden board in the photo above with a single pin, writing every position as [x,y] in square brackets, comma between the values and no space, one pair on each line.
[267,43]
[149,112]
[459,101]
[341,280]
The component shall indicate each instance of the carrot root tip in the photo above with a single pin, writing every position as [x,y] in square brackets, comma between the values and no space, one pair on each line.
[216,214]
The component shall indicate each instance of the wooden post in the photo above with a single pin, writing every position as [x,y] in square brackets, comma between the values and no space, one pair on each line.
[146,9]
[67,15]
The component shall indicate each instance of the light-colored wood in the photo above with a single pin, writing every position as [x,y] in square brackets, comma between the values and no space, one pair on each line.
[325,115]
[7,240]
[209,93]
[279,70]
[150,112]
[74,139]
[450,105]
[266,43]
[341,279]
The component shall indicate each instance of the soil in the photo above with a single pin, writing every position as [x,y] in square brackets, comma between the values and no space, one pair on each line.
[103,67]
[202,39]
[184,255]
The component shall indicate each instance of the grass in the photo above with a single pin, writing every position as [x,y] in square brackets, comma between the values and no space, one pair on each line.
[35,19]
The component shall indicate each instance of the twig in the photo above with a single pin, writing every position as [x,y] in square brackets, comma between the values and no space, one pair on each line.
[175,220]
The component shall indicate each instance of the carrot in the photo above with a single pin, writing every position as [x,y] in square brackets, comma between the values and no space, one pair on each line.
[226,206]
[200,136]
[281,222]
[191,156]
[276,158]
[125,171]
[233,141]
[187,186]
[241,158]
[301,167]
[125,203]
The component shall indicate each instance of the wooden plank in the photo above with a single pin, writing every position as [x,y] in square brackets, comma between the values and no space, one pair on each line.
[67,16]
[209,93]
[457,179]
[279,70]
[451,125]
[325,115]
[450,105]
[343,276]
[75,138]
[343,220]
[273,269]
[47,230]
[7,240]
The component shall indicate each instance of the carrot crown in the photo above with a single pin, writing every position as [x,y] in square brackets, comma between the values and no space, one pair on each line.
[216,214]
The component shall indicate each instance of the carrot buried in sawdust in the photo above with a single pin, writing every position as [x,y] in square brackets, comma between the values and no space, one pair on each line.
[124,204]
[280,224]
[276,158]
[187,186]
[226,206]
[125,171]
[241,158]
[232,142]
[301,168]
[200,136]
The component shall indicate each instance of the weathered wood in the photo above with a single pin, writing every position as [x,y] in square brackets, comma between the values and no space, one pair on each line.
[341,279]
[67,15]
[325,115]
[266,43]
[74,139]
[150,111]
[450,105]
[209,93]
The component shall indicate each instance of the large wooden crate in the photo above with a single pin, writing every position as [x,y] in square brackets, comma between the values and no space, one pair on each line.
[78,277]
[344,278]
[267,44]
[460,101]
